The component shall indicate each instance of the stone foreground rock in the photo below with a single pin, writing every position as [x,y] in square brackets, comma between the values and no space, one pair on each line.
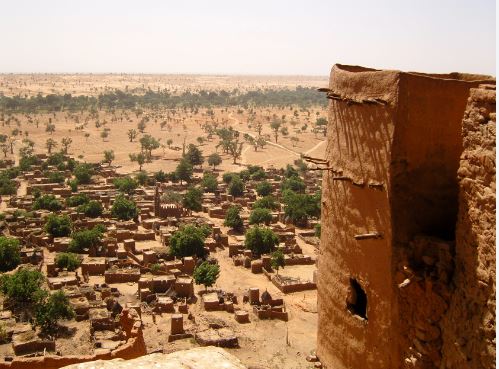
[199,358]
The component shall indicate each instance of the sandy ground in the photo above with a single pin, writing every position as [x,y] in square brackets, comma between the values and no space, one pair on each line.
[184,126]
[261,342]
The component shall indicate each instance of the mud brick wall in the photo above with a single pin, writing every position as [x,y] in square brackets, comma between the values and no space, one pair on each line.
[469,328]
[389,193]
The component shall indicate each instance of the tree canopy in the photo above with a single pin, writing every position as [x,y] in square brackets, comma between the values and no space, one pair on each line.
[206,274]
[124,209]
[188,241]
[9,253]
[260,240]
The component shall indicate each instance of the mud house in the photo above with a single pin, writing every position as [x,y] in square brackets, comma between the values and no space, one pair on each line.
[391,268]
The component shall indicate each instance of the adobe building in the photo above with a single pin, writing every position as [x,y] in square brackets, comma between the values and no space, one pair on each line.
[394,282]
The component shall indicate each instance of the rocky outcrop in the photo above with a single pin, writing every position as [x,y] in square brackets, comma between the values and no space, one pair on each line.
[198,358]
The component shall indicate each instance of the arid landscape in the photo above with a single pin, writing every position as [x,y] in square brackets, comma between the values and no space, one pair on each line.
[262,141]
[248,185]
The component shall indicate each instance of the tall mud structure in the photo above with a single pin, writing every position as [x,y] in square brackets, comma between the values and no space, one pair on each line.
[407,267]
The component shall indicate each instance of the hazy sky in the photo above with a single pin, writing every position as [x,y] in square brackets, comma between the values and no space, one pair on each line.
[246,37]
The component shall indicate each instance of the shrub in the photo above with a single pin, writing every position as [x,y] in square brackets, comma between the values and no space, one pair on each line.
[258,175]
[47,202]
[260,240]
[85,239]
[295,184]
[21,287]
[7,185]
[209,182]
[77,200]
[58,226]
[55,177]
[92,209]
[188,241]
[83,173]
[277,260]
[267,202]
[184,171]
[9,253]
[124,209]
[233,218]
[244,175]
[300,207]
[160,176]
[67,260]
[227,177]
[236,187]
[125,184]
[193,199]
[214,160]
[264,189]
[141,178]
[50,308]
[260,216]
[206,274]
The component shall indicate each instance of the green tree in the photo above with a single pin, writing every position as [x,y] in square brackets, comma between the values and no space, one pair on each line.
[267,202]
[108,156]
[67,260]
[209,182]
[214,160]
[298,208]
[264,189]
[125,184]
[132,134]
[321,124]
[124,209]
[160,176]
[295,184]
[141,178]
[188,241]
[50,308]
[83,173]
[148,144]
[275,125]
[47,202]
[206,274]
[260,216]
[85,239]
[50,144]
[140,158]
[236,187]
[184,171]
[65,143]
[233,218]
[58,226]
[194,156]
[92,209]
[9,253]
[77,200]
[193,199]
[277,260]
[260,240]
[21,287]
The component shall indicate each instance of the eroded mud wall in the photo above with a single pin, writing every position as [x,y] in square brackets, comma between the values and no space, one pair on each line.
[359,141]
[469,327]
[390,200]
[426,148]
